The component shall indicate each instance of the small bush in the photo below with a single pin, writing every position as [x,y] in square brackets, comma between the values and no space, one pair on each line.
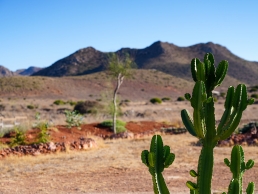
[254,96]
[59,102]
[43,136]
[19,138]
[73,118]
[120,125]
[156,101]
[2,107]
[87,107]
[72,103]
[180,98]
[30,106]
[165,99]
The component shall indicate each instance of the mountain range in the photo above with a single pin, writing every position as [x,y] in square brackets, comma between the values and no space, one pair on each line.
[162,56]
[5,72]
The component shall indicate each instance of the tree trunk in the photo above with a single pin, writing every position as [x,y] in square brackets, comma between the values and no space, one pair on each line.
[120,78]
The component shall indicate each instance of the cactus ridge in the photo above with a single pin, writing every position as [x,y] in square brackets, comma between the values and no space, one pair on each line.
[158,158]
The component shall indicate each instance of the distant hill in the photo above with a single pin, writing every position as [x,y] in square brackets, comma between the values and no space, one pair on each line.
[29,71]
[4,72]
[161,56]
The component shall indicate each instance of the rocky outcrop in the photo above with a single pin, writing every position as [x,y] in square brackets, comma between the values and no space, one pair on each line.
[47,148]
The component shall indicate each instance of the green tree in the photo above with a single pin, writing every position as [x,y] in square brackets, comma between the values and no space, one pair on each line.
[118,69]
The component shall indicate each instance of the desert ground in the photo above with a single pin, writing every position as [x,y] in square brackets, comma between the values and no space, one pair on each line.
[115,165]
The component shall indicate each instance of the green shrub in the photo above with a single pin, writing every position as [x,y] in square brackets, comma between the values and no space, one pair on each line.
[120,125]
[19,138]
[165,99]
[30,106]
[156,101]
[43,136]
[59,102]
[72,103]
[180,98]
[87,107]
[73,118]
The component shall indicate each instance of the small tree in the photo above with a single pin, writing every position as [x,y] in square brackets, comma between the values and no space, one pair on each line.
[118,69]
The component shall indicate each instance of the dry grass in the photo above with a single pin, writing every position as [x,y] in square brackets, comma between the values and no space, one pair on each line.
[115,167]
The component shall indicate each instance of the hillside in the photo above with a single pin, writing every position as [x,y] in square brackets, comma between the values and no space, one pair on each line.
[4,72]
[144,84]
[161,56]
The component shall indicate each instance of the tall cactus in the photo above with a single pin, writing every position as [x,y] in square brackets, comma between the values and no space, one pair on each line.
[238,167]
[207,78]
[158,158]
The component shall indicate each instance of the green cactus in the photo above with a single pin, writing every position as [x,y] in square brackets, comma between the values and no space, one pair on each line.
[238,167]
[203,126]
[207,78]
[158,158]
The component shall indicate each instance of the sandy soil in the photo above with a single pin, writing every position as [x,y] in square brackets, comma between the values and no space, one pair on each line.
[114,167]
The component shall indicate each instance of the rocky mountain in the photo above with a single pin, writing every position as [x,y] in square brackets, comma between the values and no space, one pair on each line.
[162,56]
[29,71]
[4,72]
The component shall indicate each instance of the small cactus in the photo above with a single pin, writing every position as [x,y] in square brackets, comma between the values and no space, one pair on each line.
[238,167]
[158,158]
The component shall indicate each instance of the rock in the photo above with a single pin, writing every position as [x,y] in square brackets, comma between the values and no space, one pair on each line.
[51,146]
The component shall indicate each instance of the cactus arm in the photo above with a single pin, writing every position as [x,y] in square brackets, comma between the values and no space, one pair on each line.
[250,188]
[232,125]
[221,72]
[156,160]
[234,187]
[194,68]
[198,97]
[188,122]
[228,105]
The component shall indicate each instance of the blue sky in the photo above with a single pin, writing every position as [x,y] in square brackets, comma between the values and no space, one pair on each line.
[40,32]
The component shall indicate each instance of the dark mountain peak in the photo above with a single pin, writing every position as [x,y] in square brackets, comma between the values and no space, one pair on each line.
[86,50]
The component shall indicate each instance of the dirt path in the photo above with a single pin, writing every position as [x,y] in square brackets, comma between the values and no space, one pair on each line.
[114,167]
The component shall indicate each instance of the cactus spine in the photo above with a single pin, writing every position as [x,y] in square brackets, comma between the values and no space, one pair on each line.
[238,167]
[207,78]
[158,158]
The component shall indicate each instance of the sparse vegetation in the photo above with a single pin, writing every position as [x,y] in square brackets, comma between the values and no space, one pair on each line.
[165,99]
[19,138]
[30,106]
[43,136]
[59,102]
[120,125]
[73,118]
[88,107]
[156,101]
[118,69]
[180,98]
[254,96]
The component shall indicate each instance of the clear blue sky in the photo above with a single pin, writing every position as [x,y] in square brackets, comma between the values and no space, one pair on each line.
[40,32]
